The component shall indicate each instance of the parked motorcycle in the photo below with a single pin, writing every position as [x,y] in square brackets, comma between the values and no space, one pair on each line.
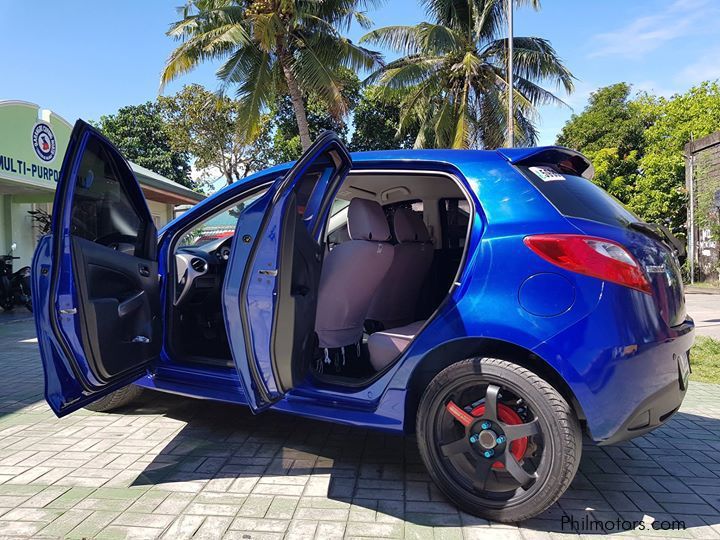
[14,286]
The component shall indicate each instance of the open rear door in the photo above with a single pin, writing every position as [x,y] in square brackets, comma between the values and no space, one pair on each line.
[274,273]
[96,278]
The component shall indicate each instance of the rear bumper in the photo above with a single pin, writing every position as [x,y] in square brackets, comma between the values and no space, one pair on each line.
[650,414]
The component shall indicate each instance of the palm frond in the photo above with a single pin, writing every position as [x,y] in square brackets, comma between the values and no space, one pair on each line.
[402,39]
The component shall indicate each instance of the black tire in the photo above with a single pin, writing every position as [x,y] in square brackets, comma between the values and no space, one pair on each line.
[551,453]
[117,399]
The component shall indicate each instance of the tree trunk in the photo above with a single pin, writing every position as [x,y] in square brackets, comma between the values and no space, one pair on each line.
[297,103]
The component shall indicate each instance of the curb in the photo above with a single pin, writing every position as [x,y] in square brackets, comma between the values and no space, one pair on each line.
[701,290]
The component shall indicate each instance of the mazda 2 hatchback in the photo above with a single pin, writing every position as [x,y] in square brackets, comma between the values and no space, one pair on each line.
[494,303]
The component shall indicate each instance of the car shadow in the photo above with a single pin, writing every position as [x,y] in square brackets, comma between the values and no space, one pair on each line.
[658,478]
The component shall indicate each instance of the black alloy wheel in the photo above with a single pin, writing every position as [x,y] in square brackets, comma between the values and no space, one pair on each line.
[500,441]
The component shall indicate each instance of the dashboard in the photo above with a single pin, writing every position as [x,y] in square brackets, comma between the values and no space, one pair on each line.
[201,269]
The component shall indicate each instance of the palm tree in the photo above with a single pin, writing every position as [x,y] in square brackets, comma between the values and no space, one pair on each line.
[271,48]
[454,73]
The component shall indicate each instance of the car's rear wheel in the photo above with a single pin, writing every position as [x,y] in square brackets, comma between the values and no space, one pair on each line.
[497,439]
[115,400]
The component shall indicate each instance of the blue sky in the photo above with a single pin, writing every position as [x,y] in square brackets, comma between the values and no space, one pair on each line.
[88,58]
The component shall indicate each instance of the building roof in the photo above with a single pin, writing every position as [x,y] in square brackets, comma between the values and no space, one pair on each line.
[156,184]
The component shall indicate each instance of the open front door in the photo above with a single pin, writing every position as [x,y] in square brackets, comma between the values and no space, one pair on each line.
[96,278]
[273,296]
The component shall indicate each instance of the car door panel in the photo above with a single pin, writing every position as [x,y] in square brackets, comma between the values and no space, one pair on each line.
[119,294]
[272,294]
[99,329]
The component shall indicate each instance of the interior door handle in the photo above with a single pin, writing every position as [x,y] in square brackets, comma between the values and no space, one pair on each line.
[144,270]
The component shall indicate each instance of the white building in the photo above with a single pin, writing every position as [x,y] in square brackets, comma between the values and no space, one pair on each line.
[33,142]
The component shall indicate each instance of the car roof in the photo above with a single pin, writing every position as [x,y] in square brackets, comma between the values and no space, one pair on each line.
[449,156]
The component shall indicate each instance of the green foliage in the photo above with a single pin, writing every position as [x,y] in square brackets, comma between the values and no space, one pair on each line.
[637,145]
[270,48]
[610,132]
[661,193]
[285,144]
[376,121]
[142,136]
[454,70]
[208,127]
[610,120]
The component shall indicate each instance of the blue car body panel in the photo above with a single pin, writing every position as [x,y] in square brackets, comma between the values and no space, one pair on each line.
[576,326]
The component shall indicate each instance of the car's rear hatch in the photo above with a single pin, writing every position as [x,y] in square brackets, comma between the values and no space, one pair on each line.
[562,176]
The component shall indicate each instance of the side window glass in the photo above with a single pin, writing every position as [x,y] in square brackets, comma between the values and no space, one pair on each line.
[312,187]
[454,219]
[219,225]
[102,210]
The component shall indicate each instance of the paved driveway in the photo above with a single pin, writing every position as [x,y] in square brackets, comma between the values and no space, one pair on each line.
[705,309]
[180,468]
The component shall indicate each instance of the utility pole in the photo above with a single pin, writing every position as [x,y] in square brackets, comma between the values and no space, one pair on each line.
[511,108]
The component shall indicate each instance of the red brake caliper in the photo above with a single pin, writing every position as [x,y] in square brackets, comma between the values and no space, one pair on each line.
[505,414]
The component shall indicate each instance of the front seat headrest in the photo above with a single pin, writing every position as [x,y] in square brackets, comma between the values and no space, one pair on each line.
[366,221]
[409,226]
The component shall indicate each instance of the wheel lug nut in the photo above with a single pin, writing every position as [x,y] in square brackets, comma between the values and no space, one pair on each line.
[500,439]
[485,425]
[488,453]
[474,439]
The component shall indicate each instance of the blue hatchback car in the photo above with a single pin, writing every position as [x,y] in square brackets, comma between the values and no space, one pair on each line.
[495,303]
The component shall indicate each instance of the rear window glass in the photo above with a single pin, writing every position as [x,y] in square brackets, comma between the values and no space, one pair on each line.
[575,196]
[454,220]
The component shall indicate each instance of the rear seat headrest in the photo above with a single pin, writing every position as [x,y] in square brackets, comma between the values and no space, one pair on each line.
[366,221]
[409,226]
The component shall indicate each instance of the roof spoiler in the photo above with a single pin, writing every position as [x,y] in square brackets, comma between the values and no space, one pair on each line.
[571,160]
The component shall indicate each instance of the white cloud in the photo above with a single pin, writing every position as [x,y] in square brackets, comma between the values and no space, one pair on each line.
[705,67]
[649,32]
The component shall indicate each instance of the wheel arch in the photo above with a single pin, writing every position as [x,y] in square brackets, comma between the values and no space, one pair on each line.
[454,351]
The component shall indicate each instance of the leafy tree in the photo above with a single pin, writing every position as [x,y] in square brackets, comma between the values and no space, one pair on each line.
[376,121]
[610,132]
[286,144]
[611,119]
[455,69]
[637,145]
[271,48]
[141,134]
[208,127]
[660,195]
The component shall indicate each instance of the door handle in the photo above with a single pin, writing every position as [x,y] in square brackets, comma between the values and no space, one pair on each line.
[144,270]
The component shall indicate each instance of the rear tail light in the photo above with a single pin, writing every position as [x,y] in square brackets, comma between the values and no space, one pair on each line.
[590,256]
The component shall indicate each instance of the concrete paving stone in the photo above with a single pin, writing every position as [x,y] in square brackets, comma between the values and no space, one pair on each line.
[183,527]
[175,468]
[282,507]
[213,527]
[140,519]
[92,524]
[260,524]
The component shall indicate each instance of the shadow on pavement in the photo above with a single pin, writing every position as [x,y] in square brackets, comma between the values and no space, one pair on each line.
[671,474]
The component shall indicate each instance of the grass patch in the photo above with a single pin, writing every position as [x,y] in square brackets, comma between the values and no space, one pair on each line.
[704,284]
[705,360]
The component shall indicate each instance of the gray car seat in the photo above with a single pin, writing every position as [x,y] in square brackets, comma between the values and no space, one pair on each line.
[386,346]
[350,275]
[396,298]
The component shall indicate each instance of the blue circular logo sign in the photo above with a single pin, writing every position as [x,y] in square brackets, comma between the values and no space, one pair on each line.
[43,140]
